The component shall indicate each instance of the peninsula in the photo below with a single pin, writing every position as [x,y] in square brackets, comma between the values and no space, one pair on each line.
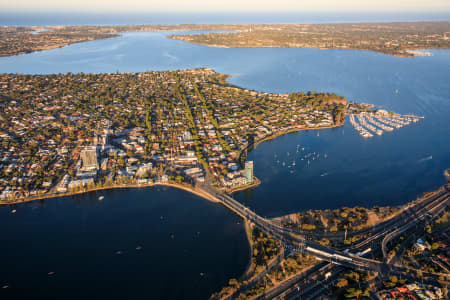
[138,129]
[67,134]
[399,39]
[70,133]
[106,130]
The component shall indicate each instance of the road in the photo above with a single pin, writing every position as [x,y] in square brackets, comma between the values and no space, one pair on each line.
[406,211]
[426,208]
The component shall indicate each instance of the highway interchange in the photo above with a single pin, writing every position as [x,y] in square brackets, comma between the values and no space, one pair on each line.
[424,209]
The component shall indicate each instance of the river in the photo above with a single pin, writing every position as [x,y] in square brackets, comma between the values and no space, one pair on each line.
[78,237]
[157,243]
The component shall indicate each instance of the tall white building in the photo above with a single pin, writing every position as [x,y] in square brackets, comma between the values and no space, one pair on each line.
[249,171]
[89,158]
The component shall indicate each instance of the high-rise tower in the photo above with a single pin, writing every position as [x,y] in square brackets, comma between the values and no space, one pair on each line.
[89,158]
[249,171]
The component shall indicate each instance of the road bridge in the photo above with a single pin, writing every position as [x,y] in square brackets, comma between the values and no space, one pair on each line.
[410,217]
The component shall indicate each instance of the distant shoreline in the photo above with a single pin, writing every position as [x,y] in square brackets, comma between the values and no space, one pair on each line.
[398,36]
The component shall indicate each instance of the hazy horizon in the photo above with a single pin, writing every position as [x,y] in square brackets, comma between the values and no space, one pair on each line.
[55,19]
[231,6]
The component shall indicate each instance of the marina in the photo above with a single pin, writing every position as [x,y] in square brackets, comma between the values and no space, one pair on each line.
[370,123]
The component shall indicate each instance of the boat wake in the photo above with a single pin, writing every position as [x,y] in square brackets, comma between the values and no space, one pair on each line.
[425,159]
[170,56]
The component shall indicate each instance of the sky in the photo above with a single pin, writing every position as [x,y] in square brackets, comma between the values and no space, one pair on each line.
[134,6]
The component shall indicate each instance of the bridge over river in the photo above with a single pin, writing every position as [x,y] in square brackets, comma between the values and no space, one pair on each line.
[424,209]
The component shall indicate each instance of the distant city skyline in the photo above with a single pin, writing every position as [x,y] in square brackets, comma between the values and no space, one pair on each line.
[134,6]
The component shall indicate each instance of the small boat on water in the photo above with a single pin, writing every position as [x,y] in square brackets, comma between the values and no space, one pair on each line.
[101,198]
[51,273]
[138,248]
[14,211]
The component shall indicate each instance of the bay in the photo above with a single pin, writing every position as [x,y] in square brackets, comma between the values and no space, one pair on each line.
[387,170]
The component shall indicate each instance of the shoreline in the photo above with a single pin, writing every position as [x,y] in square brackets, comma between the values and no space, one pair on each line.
[273,136]
[407,53]
[176,33]
[249,266]
[196,191]
[256,183]
[199,192]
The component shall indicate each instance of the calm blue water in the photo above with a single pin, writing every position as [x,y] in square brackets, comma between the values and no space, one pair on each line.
[180,236]
[387,170]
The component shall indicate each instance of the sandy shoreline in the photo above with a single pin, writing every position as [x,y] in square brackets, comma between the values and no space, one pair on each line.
[198,192]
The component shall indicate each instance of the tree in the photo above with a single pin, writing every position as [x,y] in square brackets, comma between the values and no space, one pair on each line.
[435,246]
[353,293]
[342,282]
[233,282]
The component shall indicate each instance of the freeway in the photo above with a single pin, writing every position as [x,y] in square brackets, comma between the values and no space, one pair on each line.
[307,287]
[428,211]
[389,223]
[287,236]
[426,208]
